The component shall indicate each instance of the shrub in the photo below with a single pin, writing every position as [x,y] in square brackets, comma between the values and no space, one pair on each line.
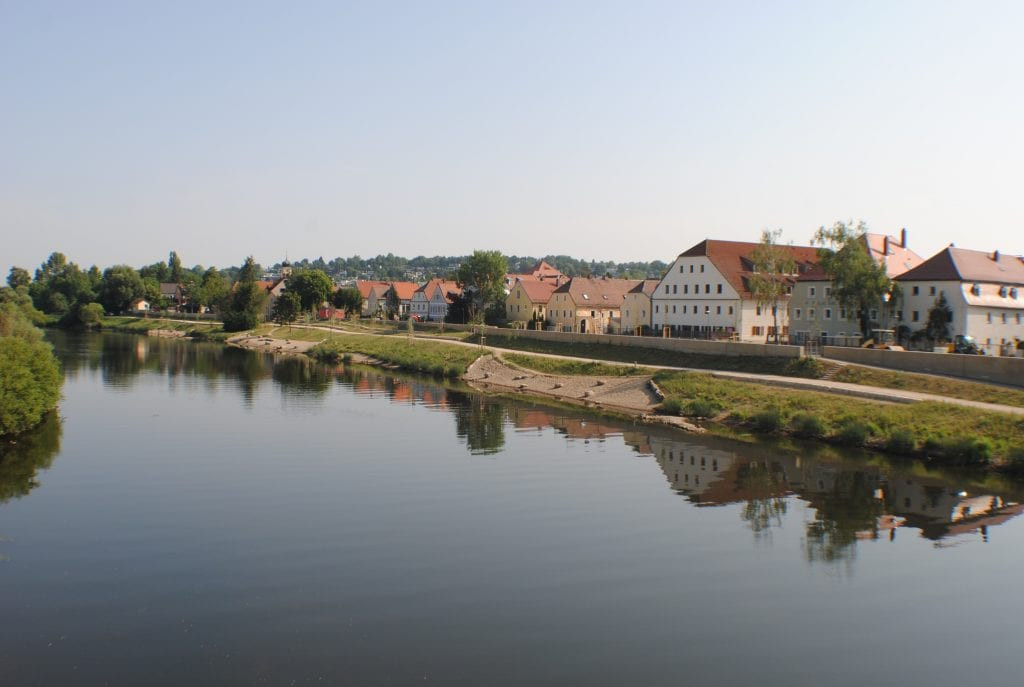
[968,450]
[900,441]
[1015,461]
[672,406]
[807,425]
[853,432]
[805,367]
[768,420]
[30,382]
[700,407]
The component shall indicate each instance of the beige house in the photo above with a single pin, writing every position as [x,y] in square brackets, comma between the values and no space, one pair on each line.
[430,302]
[636,308]
[589,306]
[815,315]
[706,293]
[542,271]
[364,287]
[528,300]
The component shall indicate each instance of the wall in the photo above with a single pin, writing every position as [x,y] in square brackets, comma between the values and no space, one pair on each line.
[1009,371]
[676,345]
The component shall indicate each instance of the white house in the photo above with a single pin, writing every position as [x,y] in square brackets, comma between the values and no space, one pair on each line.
[985,292]
[430,302]
[705,293]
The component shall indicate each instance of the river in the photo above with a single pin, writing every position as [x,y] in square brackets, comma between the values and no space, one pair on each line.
[208,516]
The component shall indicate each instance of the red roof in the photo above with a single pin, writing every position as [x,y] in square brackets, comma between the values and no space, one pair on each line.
[961,264]
[365,286]
[404,289]
[446,286]
[733,259]
[536,291]
[600,293]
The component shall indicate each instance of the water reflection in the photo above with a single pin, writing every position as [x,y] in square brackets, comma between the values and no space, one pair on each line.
[21,460]
[852,500]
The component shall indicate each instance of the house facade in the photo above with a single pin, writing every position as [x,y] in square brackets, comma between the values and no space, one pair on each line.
[542,271]
[636,307]
[527,301]
[588,306]
[985,293]
[814,314]
[706,294]
[430,302]
[364,287]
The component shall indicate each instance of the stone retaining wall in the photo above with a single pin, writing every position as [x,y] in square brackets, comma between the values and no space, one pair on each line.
[980,368]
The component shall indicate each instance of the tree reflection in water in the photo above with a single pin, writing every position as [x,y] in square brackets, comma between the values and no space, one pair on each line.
[849,508]
[480,421]
[766,482]
[21,460]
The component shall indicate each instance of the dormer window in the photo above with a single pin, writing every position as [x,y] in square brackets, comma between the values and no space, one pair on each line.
[976,289]
[1002,291]
[1013,293]
[586,297]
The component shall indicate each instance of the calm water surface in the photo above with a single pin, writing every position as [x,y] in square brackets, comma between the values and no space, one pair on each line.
[214,517]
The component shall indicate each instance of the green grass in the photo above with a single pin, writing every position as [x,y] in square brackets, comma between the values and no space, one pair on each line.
[433,357]
[207,330]
[556,366]
[942,386]
[943,431]
[647,356]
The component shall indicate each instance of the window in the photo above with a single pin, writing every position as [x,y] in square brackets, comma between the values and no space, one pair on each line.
[686,288]
[916,290]
[707,288]
[1018,318]
[988,317]
[691,269]
[798,314]
[673,309]
[976,289]
[915,316]
[828,313]
[828,291]
[1002,291]
[899,315]
[702,268]
[810,314]
[812,291]
[718,310]
[931,290]
[684,309]
[666,289]
[842,313]
[656,308]
[757,311]
[675,289]
[730,310]
[1004,318]
[873,315]
[755,330]
[680,269]
[707,309]
[719,288]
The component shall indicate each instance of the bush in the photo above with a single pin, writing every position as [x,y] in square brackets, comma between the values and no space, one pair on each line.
[1015,462]
[805,367]
[672,406]
[807,425]
[853,432]
[967,450]
[768,420]
[901,441]
[30,382]
[700,407]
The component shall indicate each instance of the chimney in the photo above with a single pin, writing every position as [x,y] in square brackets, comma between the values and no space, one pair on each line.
[903,237]
[885,245]
[995,255]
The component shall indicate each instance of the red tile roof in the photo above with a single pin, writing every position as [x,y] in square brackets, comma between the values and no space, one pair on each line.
[647,286]
[733,259]
[446,286]
[602,293]
[961,264]
[404,289]
[365,286]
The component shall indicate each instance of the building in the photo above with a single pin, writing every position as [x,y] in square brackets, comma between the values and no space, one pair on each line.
[636,308]
[528,299]
[589,306]
[365,286]
[542,271]
[173,293]
[430,302]
[985,293]
[815,315]
[706,293]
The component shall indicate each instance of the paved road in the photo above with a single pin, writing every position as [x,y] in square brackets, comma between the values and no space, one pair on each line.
[827,386]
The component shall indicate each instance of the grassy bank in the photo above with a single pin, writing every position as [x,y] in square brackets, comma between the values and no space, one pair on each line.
[205,330]
[929,384]
[805,367]
[556,366]
[955,435]
[433,357]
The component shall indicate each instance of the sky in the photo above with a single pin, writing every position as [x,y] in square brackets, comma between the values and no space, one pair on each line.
[603,130]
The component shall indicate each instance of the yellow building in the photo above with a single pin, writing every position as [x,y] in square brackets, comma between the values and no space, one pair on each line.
[589,306]
[528,299]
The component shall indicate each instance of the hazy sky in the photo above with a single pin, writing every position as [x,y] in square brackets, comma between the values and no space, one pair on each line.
[626,131]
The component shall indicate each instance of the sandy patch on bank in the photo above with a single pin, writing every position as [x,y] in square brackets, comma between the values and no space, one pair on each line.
[271,345]
[630,395]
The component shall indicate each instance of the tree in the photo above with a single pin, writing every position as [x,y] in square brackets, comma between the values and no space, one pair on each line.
[939,317]
[349,300]
[30,378]
[174,271]
[120,287]
[286,308]
[773,267]
[858,282]
[482,278]
[60,285]
[18,276]
[246,304]
[213,289]
[313,287]
[392,304]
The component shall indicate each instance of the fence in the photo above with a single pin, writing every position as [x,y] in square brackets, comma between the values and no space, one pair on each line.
[731,348]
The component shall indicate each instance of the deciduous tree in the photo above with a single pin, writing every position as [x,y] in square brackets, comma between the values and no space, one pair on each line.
[858,282]
[773,270]
[482,278]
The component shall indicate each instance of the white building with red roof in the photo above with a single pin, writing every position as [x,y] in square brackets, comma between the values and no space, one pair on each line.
[706,293]
[430,302]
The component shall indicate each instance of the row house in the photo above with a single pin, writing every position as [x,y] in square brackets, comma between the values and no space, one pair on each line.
[814,314]
[985,292]
[528,300]
[401,291]
[430,302]
[589,306]
[706,293]
[365,287]
[636,307]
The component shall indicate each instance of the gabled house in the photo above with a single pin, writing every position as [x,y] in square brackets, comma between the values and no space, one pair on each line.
[706,293]
[542,271]
[528,299]
[636,307]
[377,300]
[139,305]
[985,292]
[815,315]
[589,306]
[365,286]
[173,293]
[430,302]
